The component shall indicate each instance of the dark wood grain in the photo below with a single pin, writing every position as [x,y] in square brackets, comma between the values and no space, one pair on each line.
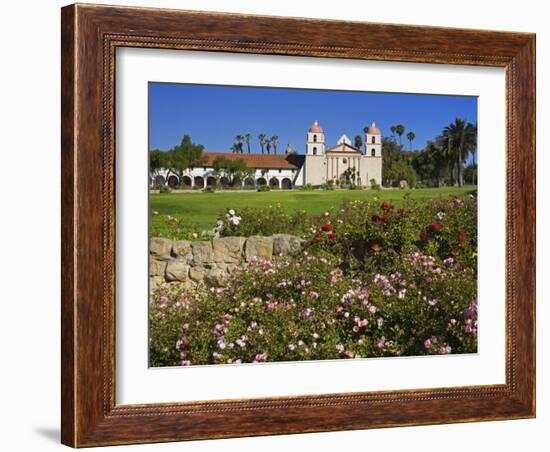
[90,36]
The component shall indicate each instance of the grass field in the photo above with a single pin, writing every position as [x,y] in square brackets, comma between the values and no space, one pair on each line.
[199,211]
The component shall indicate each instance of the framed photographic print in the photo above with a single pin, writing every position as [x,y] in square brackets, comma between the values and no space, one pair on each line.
[280,225]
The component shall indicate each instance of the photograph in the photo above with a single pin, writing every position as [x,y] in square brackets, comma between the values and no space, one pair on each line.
[275,220]
[304,224]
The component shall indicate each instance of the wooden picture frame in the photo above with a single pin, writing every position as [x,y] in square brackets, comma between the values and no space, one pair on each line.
[90,36]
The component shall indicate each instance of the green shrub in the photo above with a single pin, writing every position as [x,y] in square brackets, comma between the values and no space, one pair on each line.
[165,189]
[374,234]
[307,187]
[329,185]
[263,188]
[374,185]
[267,221]
[209,190]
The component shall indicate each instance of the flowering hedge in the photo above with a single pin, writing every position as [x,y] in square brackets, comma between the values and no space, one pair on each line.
[372,236]
[373,280]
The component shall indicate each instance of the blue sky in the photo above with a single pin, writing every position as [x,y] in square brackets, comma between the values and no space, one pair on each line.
[213,115]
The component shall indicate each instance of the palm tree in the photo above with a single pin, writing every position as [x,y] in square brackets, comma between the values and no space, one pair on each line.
[473,151]
[400,130]
[235,148]
[275,143]
[460,139]
[247,138]
[240,139]
[358,142]
[268,145]
[261,137]
[393,129]
[410,137]
[437,156]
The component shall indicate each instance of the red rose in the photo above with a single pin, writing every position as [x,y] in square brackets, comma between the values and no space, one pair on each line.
[435,227]
[326,227]
[332,235]
[377,219]
[375,247]
[462,237]
[422,235]
[386,217]
[386,205]
[399,211]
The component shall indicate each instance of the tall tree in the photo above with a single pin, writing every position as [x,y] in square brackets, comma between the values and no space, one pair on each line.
[247,138]
[187,155]
[261,137]
[240,139]
[392,130]
[437,156]
[410,137]
[473,151]
[157,161]
[274,143]
[268,145]
[460,139]
[358,141]
[400,130]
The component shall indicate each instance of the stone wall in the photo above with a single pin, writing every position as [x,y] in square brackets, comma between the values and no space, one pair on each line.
[210,262]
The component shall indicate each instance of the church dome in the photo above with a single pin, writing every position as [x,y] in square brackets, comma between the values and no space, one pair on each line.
[373,130]
[315,128]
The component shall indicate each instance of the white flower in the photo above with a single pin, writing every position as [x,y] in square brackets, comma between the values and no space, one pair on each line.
[231,212]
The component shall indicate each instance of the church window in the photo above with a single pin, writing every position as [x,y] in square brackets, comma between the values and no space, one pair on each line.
[373,152]
[373,140]
[314,151]
[315,138]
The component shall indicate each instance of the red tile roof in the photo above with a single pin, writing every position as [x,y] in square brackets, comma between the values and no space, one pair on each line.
[275,161]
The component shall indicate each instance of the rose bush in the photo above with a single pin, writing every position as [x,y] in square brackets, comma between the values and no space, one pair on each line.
[373,280]
[308,308]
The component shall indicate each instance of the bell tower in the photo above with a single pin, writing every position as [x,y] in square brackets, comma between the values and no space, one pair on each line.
[373,141]
[315,140]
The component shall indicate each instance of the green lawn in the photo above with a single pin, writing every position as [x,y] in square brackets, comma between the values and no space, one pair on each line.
[199,211]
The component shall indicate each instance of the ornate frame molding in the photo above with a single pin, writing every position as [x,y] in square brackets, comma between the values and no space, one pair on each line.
[90,37]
